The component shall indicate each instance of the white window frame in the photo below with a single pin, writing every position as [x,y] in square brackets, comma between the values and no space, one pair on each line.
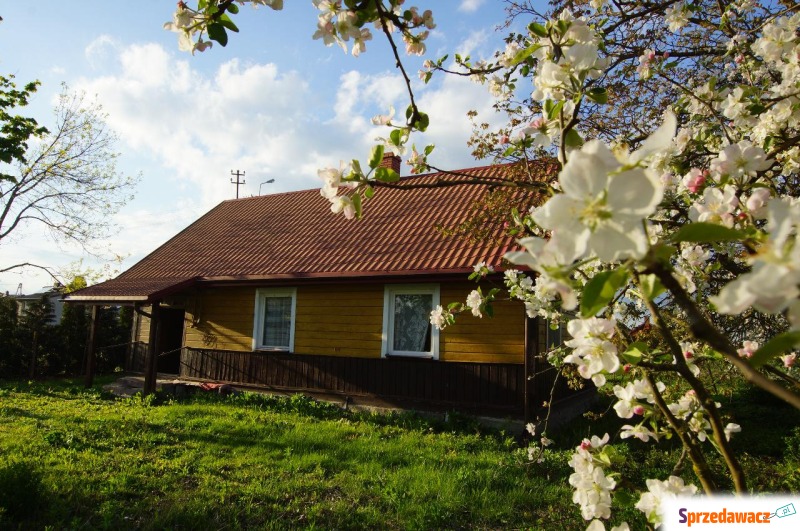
[387,337]
[258,319]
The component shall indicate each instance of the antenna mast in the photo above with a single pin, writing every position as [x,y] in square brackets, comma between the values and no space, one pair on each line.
[237,182]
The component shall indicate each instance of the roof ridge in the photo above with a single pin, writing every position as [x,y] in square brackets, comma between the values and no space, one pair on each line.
[402,178]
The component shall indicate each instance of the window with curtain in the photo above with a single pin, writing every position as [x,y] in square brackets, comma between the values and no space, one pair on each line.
[274,326]
[407,327]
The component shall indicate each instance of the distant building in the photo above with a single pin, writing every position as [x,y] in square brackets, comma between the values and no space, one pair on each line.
[54,296]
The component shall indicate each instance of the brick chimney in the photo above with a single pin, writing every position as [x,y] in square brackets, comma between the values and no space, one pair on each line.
[390,160]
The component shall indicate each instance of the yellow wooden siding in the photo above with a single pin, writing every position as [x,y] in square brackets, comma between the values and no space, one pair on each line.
[347,320]
[344,320]
[221,319]
[500,339]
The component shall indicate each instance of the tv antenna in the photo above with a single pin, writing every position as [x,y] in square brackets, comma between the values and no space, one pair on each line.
[237,182]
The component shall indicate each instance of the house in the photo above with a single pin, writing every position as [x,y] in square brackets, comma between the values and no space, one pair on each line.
[53,296]
[276,292]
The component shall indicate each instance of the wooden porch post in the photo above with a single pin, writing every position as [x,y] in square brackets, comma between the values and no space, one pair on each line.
[531,351]
[151,361]
[91,348]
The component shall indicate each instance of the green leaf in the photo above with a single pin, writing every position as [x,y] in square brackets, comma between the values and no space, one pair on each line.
[775,347]
[357,204]
[624,498]
[573,139]
[356,166]
[216,32]
[226,21]
[233,8]
[663,253]
[422,123]
[369,192]
[386,175]
[651,286]
[525,53]
[552,112]
[601,289]
[537,29]
[702,232]
[376,156]
[395,136]
[489,310]
[429,149]
[598,95]
[634,353]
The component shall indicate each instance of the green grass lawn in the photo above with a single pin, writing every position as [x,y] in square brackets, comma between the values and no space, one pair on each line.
[75,459]
[89,461]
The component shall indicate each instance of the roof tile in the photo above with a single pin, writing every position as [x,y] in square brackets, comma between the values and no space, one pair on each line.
[295,234]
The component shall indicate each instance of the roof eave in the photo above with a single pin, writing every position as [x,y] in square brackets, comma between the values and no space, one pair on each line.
[147,298]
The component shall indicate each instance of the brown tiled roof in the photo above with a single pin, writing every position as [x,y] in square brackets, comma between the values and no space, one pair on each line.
[294,236]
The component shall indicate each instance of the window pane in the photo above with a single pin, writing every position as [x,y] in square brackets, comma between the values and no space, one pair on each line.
[412,327]
[277,321]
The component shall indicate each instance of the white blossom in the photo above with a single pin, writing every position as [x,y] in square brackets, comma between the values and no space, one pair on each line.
[606,197]
[650,502]
[474,301]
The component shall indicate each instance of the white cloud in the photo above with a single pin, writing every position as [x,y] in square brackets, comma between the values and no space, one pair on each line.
[450,127]
[470,6]
[474,43]
[187,130]
[100,50]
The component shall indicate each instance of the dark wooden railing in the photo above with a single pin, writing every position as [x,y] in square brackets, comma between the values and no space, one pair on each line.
[473,387]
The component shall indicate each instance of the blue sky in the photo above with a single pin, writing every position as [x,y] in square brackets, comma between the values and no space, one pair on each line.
[273,103]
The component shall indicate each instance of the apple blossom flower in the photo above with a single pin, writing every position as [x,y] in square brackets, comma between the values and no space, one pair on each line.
[730,429]
[474,301]
[772,284]
[598,525]
[627,400]
[789,360]
[343,204]
[549,259]
[748,349]
[740,161]
[328,7]
[638,431]
[482,268]
[694,180]
[606,197]
[332,179]
[716,206]
[650,502]
[507,59]
[695,255]
[592,486]
[347,26]
[325,31]
[415,44]
[757,201]
[592,349]
[645,64]
[441,317]
[384,119]
[359,43]
[677,17]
